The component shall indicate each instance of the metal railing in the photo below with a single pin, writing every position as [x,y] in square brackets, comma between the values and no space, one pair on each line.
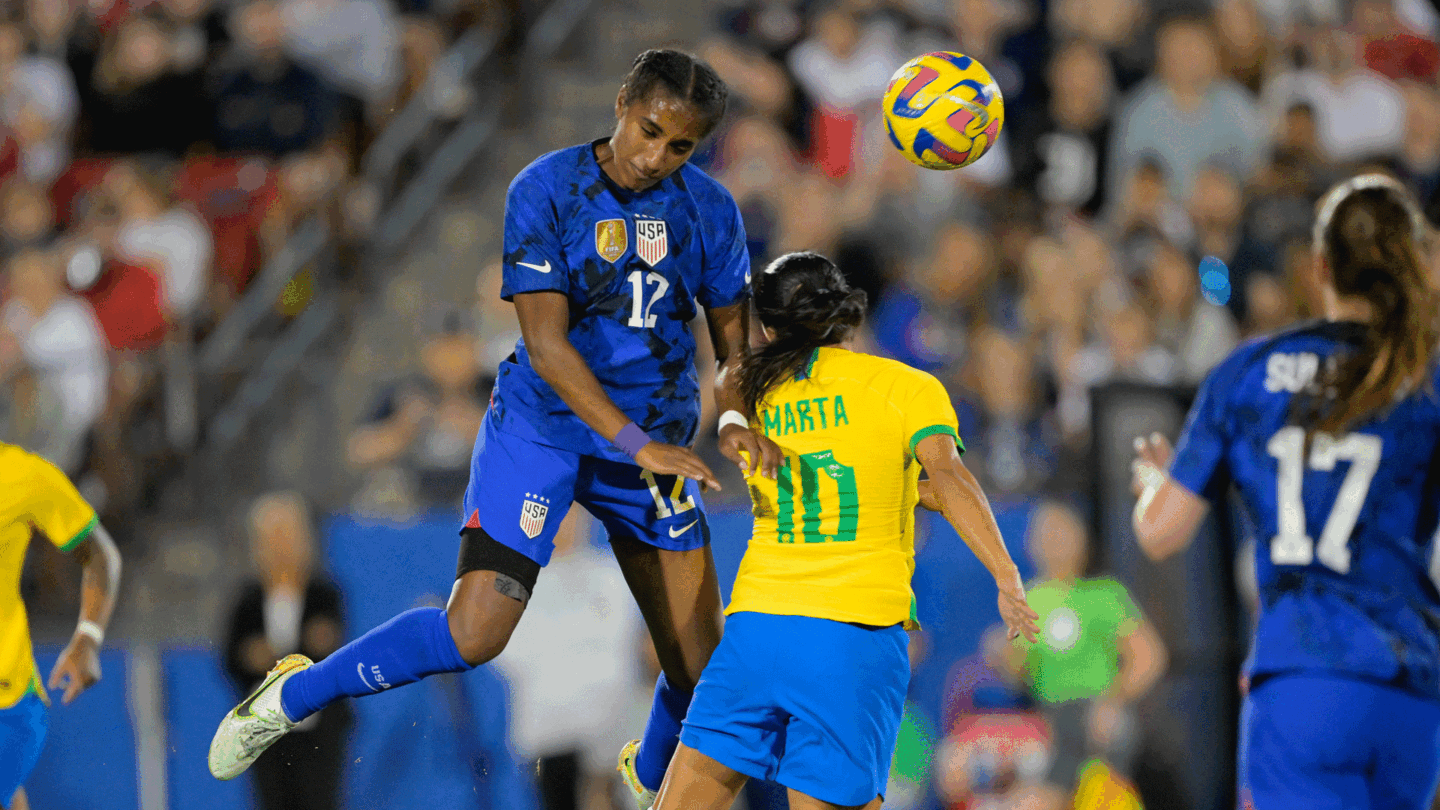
[233,342]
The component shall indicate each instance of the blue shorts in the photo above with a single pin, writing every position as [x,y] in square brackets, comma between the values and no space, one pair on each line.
[1317,741]
[22,735]
[813,704]
[519,492]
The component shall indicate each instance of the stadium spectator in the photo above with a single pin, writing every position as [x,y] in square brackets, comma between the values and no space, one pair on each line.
[570,671]
[1245,44]
[352,44]
[844,65]
[1125,351]
[1060,152]
[1215,206]
[997,749]
[55,336]
[26,217]
[287,607]
[1016,446]
[134,84]
[1191,329]
[1096,655]
[263,101]
[168,239]
[38,102]
[1359,114]
[426,425]
[1188,116]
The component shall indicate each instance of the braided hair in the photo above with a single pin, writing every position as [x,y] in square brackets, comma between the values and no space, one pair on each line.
[680,75]
[804,299]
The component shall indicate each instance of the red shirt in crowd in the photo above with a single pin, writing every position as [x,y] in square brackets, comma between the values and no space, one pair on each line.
[127,302]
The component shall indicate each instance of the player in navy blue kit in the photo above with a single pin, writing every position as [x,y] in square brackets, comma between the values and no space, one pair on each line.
[608,248]
[1329,432]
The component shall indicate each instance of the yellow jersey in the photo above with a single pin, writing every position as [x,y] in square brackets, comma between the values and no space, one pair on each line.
[834,534]
[34,496]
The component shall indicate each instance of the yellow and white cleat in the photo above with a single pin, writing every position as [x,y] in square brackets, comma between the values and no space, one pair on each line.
[255,724]
[644,797]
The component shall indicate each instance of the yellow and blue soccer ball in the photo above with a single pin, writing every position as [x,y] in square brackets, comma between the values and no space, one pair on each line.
[943,110]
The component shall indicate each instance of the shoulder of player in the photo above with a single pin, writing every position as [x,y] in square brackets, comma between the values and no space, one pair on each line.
[1253,352]
[885,377]
[709,193]
[545,171]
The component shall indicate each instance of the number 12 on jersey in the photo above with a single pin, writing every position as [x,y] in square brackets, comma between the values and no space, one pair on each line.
[1292,545]
[810,468]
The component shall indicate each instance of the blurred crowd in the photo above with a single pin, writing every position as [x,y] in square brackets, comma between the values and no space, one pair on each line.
[154,156]
[1148,206]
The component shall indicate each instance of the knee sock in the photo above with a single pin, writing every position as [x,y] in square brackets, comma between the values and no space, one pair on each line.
[411,646]
[662,733]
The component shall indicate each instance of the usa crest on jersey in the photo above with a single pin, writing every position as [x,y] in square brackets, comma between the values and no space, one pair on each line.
[532,514]
[651,243]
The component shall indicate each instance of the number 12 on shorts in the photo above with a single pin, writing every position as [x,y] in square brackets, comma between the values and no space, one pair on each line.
[844,504]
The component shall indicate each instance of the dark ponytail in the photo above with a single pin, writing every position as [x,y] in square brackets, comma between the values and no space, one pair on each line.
[1369,231]
[681,75]
[804,299]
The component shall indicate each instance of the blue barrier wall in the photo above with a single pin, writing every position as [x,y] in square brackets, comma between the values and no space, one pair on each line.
[197,695]
[89,757]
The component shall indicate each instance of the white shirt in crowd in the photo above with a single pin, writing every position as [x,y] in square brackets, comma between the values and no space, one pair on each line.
[353,43]
[573,660]
[178,246]
[66,349]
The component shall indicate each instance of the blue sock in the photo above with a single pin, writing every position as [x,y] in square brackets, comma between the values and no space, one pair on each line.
[411,646]
[662,733]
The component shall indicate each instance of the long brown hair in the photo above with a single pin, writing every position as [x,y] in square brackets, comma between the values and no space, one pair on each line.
[1368,231]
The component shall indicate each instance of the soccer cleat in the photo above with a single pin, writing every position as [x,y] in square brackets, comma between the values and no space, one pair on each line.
[644,797]
[252,726]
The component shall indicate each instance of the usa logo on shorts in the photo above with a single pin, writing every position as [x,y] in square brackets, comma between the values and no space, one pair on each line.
[532,515]
[650,242]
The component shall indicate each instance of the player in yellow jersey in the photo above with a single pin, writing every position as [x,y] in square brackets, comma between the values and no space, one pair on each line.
[808,684]
[36,498]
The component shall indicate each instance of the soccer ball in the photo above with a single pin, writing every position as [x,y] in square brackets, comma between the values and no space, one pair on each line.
[943,110]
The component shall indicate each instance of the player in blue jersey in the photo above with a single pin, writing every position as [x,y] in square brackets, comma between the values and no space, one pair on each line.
[1329,431]
[608,248]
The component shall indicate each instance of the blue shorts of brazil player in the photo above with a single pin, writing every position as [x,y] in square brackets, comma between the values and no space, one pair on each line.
[519,492]
[22,735]
[813,704]
[1325,741]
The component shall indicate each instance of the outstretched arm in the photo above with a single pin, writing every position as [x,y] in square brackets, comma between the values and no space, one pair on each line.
[545,324]
[730,335]
[78,667]
[964,504]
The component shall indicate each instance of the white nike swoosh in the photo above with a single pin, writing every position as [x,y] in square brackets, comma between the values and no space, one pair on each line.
[747,276]
[360,670]
[674,532]
[544,268]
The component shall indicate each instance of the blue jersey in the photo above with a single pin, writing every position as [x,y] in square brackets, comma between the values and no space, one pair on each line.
[633,265]
[1345,532]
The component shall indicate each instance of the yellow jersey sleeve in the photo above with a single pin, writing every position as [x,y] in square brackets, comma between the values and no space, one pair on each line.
[927,410]
[53,505]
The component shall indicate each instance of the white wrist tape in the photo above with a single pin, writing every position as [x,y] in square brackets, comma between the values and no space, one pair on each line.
[91,629]
[732,418]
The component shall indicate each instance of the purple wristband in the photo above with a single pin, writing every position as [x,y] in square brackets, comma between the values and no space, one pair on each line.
[631,439]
